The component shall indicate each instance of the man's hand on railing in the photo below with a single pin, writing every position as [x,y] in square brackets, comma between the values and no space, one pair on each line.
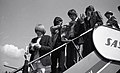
[65,40]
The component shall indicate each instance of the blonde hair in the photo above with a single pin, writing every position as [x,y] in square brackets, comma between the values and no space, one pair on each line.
[41,28]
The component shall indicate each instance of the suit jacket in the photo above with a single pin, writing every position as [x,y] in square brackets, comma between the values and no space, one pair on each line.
[56,36]
[112,22]
[91,23]
[46,46]
[78,29]
[94,19]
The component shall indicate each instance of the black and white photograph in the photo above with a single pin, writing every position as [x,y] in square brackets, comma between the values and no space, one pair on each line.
[59,36]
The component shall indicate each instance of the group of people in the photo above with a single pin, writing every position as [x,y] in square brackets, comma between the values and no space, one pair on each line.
[60,34]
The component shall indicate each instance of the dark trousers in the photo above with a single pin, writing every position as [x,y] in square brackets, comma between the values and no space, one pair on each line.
[58,57]
[25,67]
[71,57]
[88,44]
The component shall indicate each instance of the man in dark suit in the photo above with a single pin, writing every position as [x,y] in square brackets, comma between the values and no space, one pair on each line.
[111,22]
[39,46]
[76,28]
[93,19]
[57,57]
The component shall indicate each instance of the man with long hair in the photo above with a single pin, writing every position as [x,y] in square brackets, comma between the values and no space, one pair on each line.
[93,19]
[39,46]
[57,57]
[76,28]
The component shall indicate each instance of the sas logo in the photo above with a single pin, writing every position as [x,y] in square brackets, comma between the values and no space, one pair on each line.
[112,43]
[107,42]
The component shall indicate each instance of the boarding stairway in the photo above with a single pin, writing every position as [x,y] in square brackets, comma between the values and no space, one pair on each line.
[105,58]
[92,63]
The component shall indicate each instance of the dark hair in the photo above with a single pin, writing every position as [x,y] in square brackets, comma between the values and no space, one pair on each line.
[89,8]
[56,20]
[72,12]
[108,12]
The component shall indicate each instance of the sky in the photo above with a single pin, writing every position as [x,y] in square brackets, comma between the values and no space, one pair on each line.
[19,17]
